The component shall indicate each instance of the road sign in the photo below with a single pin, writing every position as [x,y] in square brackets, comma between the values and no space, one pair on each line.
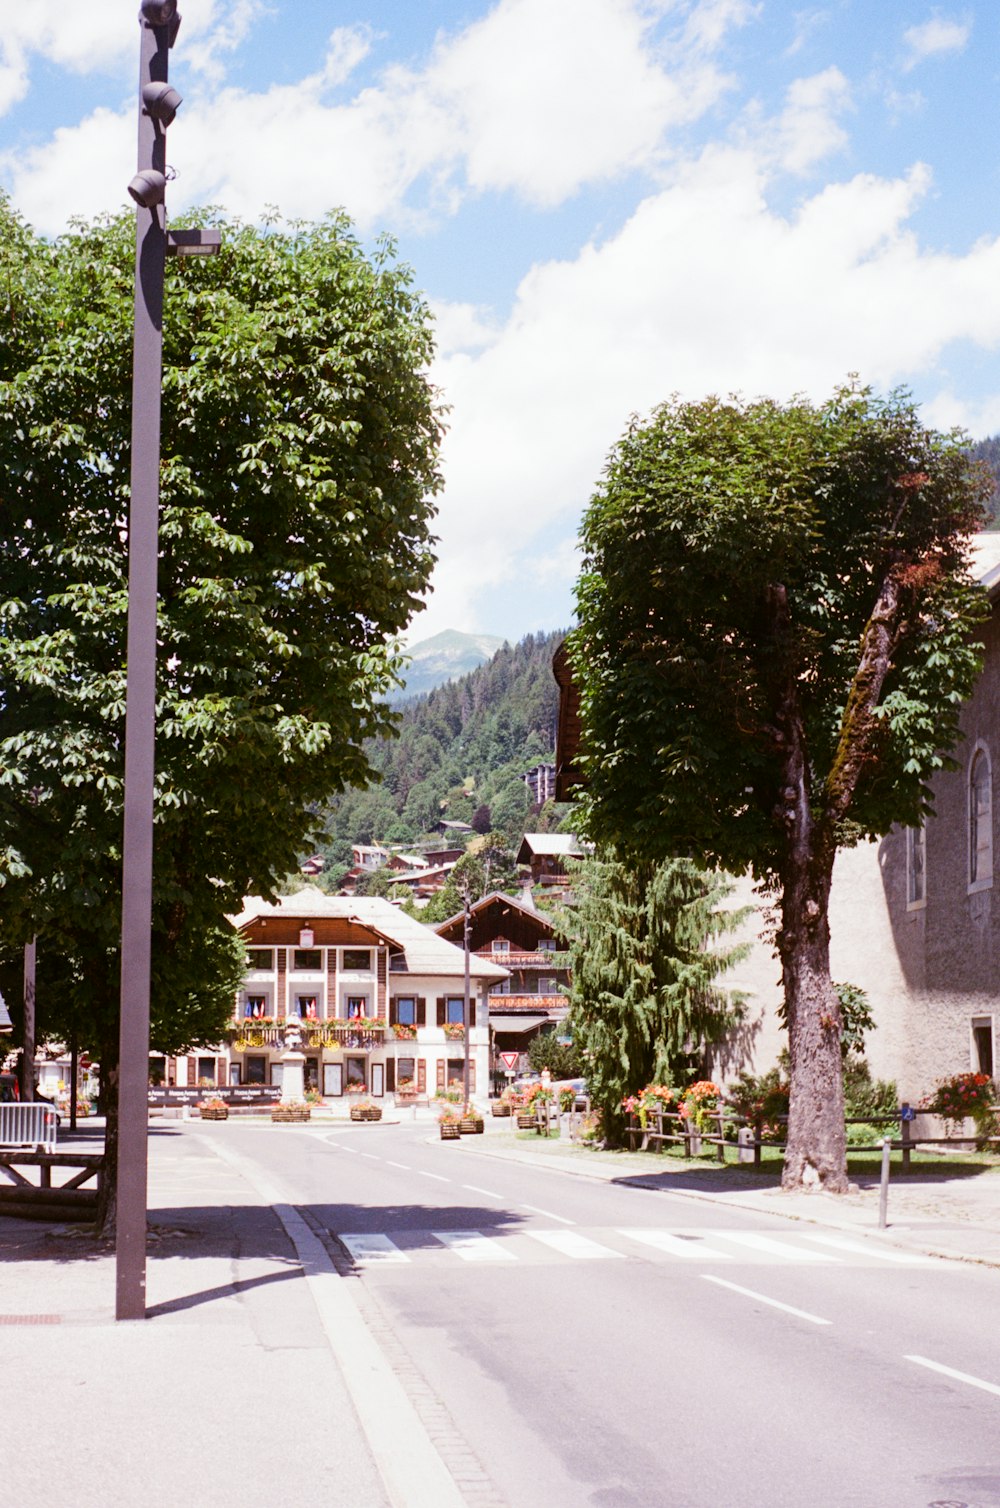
[509,1060]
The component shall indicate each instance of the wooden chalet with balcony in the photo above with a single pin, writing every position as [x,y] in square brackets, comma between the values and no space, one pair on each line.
[513,934]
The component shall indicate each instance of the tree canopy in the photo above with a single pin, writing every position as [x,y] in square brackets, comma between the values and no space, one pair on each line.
[299,463]
[778,627]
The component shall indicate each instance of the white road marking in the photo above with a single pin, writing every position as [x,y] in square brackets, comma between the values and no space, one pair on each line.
[569,1243]
[475,1189]
[696,1250]
[772,1247]
[371,1156]
[549,1215]
[761,1298]
[373,1248]
[473,1246]
[881,1254]
[405,1166]
[439,1176]
[973,1382]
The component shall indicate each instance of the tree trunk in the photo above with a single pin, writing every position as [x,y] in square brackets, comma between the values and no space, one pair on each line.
[107,1203]
[816,1155]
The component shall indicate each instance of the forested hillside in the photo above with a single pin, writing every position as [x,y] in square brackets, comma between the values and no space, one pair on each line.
[460,754]
[988,451]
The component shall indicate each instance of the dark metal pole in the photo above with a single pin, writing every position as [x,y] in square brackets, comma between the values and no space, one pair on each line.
[74,1074]
[137,859]
[30,1034]
[467,1009]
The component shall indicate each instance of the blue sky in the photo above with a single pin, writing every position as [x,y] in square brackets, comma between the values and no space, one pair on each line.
[604,201]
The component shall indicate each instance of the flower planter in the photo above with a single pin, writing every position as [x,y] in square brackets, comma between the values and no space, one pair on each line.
[290,1113]
[525,1121]
[469,1125]
[216,1114]
[449,1131]
[375,1114]
[497,1107]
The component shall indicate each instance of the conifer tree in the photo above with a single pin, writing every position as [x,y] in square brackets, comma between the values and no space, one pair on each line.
[646,1002]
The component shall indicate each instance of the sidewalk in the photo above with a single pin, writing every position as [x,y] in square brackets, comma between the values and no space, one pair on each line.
[954,1214]
[230,1393]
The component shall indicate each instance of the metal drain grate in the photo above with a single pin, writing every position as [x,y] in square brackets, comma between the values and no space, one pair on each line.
[30,1319]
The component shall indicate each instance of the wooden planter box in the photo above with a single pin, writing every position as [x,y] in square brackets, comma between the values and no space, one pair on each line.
[525,1121]
[470,1126]
[290,1113]
[215,1114]
[449,1131]
[497,1108]
[360,1113]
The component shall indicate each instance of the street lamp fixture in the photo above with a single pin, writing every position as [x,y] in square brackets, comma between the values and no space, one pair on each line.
[148,188]
[160,101]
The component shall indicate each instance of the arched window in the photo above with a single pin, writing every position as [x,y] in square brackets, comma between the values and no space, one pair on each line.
[980,820]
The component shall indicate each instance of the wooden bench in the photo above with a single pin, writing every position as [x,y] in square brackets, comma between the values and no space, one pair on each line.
[44,1200]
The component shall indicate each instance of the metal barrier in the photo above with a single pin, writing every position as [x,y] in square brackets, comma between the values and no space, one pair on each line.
[29,1125]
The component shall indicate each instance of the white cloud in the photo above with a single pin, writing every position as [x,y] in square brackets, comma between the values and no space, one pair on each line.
[808,129]
[934,37]
[530,99]
[705,289]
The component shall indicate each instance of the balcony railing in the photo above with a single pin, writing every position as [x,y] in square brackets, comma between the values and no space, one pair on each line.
[244,1035]
[512,960]
[529,1003]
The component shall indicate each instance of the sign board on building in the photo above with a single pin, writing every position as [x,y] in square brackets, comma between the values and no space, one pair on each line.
[230,1094]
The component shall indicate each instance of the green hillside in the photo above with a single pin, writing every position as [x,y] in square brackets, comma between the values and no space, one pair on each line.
[460,753]
[988,451]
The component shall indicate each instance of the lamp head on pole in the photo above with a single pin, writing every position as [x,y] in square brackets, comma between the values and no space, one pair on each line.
[148,188]
[161,102]
[157,12]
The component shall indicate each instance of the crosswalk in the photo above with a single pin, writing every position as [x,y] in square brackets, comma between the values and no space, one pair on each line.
[686,1246]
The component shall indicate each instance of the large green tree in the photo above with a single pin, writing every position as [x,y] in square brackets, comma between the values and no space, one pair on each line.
[647,955]
[777,630]
[299,447]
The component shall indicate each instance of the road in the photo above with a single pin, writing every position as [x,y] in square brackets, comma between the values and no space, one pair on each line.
[582,1343]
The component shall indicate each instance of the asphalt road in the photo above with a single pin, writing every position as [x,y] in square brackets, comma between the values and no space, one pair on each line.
[582,1343]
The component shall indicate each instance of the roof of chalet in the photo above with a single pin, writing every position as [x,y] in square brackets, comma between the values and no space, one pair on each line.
[986,561]
[423,950]
[508,902]
[549,845]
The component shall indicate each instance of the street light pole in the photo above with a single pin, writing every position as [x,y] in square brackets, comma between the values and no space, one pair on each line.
[467,1010]
[158,21]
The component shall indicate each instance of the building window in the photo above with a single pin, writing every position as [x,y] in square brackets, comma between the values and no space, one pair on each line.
[307,960]
[548,985]
[308,1007]
[357,1005]
[256,1007]
[980,820]
[916,866]
[501,945]
[503,988]
[406,1072]
[454,1010]
[260,959]
[357,958]
[406,1011]
[546,945]
[256,1070]
[982,1045]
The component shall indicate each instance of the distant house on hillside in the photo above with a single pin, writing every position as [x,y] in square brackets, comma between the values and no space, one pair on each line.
[541,782]
[369,856]
[513,934]
[546,855]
